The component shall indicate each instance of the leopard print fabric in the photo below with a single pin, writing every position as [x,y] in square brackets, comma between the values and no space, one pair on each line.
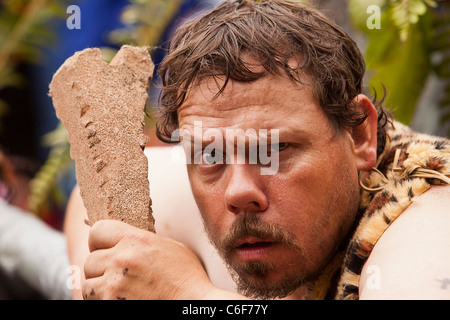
[397,183]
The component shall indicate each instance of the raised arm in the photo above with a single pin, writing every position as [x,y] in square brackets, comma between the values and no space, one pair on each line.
[175,212]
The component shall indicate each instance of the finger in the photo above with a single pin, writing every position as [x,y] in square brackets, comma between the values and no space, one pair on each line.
[106,234]
[96,263]
[92,289]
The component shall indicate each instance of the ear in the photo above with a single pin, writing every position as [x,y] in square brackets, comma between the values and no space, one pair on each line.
[365,135]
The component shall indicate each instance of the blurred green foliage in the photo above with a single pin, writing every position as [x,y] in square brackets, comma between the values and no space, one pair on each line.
[412,43]
[145,21]
[44,186]
[24,30]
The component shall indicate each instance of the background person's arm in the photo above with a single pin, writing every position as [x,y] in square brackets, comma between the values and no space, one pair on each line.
[77,233]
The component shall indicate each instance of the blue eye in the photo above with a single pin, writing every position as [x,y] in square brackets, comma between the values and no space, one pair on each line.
[209,157]
[277,147]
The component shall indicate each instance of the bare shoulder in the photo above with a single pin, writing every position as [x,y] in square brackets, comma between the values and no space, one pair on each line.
[411,260]
[173,204]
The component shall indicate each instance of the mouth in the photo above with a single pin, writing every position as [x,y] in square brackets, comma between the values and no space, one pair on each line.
[253,248]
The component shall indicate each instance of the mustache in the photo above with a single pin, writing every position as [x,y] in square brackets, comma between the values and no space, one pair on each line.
[252,225]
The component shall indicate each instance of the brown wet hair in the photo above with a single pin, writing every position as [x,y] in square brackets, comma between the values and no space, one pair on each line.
[274,33]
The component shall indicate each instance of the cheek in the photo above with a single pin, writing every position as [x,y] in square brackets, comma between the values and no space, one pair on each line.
[210,202]
[296,206]
[318,202]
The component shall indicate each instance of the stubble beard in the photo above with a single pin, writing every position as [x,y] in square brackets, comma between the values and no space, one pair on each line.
[252,278]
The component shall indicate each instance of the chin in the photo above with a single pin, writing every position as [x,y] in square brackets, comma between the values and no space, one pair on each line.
[270,286]
[266,280]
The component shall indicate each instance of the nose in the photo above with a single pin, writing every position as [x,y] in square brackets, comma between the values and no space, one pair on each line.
[245,191]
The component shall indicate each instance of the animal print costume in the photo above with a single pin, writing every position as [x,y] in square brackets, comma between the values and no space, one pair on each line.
[409,164]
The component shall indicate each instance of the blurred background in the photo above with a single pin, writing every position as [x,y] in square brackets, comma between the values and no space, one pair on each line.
[406,44]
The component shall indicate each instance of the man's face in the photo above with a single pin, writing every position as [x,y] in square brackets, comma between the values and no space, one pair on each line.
[275,231]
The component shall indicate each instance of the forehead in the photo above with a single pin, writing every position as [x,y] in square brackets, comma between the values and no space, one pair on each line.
[269,102]
[235,95]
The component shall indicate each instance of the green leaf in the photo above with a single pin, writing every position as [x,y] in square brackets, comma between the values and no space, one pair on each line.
[406,13]
[402,66]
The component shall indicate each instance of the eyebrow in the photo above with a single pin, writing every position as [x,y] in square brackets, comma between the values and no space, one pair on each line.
[264,134]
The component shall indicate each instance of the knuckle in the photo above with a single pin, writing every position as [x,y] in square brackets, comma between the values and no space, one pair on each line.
[127,259]
[135,237]
[116,287]
[98,226]
[88,291]
[121,259]
[113,286]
